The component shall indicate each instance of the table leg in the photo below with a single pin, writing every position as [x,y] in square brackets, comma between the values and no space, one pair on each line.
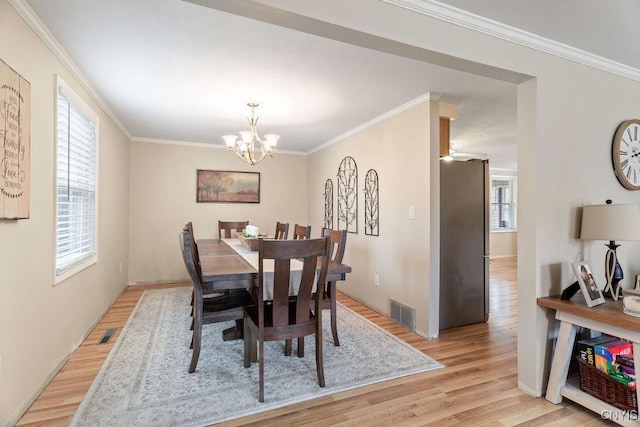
[561,359]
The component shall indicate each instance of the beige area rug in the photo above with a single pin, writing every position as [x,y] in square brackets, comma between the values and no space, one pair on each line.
[144,381]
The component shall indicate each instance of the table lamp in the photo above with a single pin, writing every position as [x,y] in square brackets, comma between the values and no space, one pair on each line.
[611,222]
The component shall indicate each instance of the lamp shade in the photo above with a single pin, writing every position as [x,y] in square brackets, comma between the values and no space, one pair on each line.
[610,222]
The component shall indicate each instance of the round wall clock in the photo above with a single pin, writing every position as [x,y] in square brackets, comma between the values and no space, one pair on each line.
[626,154]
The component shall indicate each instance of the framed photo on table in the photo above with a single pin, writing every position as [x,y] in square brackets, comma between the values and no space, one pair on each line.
[588,286]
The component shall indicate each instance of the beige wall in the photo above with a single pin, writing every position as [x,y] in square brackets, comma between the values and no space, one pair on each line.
[163,199]
[400,255]
[41,324]
[503,243]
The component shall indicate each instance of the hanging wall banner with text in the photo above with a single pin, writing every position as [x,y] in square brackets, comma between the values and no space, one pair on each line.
[15,123]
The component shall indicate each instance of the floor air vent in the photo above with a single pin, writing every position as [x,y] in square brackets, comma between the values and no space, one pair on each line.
[404,315]
[107,336]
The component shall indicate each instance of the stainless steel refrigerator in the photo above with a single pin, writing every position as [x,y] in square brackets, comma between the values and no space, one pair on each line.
[464,242]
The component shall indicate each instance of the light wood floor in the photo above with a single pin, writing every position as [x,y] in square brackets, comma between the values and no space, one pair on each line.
[477,387]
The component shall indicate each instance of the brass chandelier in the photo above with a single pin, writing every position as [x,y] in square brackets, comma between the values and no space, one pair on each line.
[250,147]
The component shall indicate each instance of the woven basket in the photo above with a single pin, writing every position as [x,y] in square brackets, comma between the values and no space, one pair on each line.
[603,387]
[249,243]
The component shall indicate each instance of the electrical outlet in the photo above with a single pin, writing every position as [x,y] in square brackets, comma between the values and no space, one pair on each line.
[376,279]
[412,212]
[121,265]
[0,368]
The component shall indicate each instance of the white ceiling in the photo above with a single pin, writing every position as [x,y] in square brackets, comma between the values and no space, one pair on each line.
[174,70]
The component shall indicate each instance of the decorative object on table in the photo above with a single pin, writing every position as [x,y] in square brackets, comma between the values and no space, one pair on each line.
[328,204]
[347,181]
[371,204]
[251,231]
[625,154]
[15,149]
[637,285]
[631,302]
[250,147]
[592,295]
[611,222]
[248,242]
[227,187]
[143,381]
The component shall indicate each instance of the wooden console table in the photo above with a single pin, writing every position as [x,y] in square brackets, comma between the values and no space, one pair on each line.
[607,318]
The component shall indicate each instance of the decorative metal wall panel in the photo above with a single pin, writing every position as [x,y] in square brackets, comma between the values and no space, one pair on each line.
[347,181]
[328,204]
[371,204]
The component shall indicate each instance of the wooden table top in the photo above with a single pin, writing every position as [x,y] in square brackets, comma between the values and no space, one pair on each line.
[610,312]
[220,262]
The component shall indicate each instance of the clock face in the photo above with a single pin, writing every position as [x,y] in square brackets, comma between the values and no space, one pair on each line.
[626,154]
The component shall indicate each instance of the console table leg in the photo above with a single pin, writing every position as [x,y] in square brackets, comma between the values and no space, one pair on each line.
[561,359]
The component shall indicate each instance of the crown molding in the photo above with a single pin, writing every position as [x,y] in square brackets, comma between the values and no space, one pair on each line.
[201,145]
[429,96]
[30,17]
[465,19]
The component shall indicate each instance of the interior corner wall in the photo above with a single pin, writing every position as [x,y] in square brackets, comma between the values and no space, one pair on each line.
[398,150]
[163,200]
[41,324]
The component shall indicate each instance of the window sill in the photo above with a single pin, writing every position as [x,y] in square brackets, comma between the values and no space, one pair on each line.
[75,269]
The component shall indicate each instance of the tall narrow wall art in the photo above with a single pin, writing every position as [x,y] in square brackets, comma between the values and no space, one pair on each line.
[15,155]
[328,204]
[347,181]
[371,204]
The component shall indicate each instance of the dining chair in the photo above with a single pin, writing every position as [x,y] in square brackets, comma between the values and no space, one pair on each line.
[227,226]
[282,231]
[221,308]
[286,318]
[337,243]
[301,232]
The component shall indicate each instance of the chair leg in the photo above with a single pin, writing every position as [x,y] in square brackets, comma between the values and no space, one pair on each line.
[334,317]
[197,336]
[248,345]
[301,347]
[261,370]
[319,363]
[287,348]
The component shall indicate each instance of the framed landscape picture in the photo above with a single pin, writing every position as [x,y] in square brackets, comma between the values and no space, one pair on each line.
[227,187]
[592,295]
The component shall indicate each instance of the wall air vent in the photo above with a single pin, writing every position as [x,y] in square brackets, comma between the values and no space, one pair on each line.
[404,315]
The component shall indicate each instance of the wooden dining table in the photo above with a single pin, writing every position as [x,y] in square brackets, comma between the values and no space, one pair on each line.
[223,268]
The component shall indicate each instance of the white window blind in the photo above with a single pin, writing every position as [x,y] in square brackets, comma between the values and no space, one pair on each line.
[504,214]
[75,182]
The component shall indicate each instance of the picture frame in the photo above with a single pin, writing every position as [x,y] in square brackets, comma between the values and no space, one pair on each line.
[592,294]
[215,186]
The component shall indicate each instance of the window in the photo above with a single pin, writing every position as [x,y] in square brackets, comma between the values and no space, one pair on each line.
[76,184]
[503,203]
